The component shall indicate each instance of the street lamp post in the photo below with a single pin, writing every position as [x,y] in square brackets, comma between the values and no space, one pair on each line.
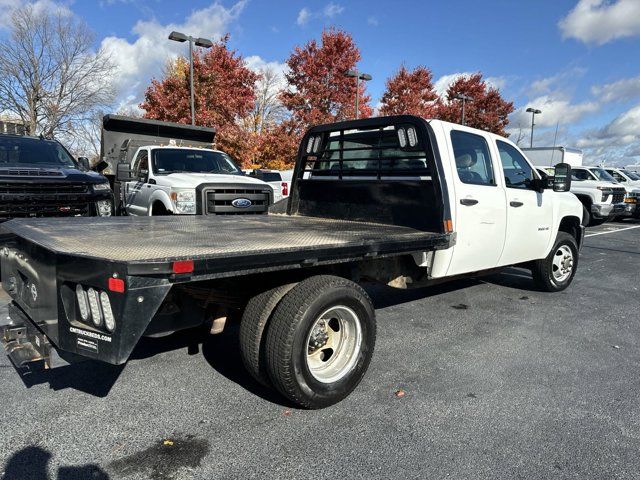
[365,77]
[200,42]
[464,99]
[533,112]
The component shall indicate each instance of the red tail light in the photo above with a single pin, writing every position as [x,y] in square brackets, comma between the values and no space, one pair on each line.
[116,285]
[183,266]
[285,188]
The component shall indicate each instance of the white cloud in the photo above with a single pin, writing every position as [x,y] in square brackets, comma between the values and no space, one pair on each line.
[303,16]
[329,11]
[561,80]
[623,130]
[556,108]
[617,143]
[142,59]
[8,6]
[600,21]
[332,9]
[373,21]
[442,84]
[625,89]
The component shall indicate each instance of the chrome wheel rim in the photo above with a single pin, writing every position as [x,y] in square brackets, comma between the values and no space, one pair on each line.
[562,264]
[333,344]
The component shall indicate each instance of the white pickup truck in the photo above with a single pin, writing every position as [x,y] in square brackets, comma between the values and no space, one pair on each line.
[187,181]
[602,196]
[162,168]
[398,200]
[631,183]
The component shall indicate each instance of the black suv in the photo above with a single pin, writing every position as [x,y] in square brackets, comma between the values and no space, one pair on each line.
[40,178]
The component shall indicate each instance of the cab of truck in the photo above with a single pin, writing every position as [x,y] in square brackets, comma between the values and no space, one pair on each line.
[190,181]
[40,178]
[166,168]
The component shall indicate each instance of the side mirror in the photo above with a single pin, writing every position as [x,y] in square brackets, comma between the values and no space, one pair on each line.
[562,178]
[101,166]
[123,172]
[84,163]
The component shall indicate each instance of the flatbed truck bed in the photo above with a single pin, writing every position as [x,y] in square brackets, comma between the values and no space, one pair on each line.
[221,245]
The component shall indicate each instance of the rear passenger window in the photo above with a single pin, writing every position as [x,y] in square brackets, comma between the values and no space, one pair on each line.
[473,161]
[517,171]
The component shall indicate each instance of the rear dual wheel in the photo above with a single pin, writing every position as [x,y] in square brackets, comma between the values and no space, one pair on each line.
[319,341]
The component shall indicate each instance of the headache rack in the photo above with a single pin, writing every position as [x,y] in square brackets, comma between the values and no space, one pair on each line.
[375,152]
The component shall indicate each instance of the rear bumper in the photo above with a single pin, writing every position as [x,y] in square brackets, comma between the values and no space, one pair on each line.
[25,345]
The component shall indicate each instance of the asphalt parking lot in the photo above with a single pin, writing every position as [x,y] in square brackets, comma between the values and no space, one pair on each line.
[500,381]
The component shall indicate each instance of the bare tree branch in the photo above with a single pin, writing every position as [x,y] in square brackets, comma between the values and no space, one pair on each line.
[50,76]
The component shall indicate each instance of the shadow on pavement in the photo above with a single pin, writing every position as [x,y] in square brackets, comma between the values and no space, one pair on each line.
[31,463]
[93,378]
[222,352]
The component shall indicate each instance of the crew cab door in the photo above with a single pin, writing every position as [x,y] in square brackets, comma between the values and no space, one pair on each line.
[529,212]
[139,190]
[479,204]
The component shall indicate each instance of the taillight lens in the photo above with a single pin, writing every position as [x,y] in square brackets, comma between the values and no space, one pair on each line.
[83,303]
[109,320]
[285,188]
[94,304]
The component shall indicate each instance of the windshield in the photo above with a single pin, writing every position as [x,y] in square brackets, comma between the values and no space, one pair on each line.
[602,175]
[33,152]
[632,175]
[270,177]
[174,160]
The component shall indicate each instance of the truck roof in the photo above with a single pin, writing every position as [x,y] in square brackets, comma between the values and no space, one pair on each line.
[180,147]
[566,149]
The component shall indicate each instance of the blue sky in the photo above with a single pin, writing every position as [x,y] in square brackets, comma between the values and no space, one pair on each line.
[578,61]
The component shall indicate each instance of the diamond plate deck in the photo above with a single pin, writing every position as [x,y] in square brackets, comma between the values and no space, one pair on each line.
[158,239]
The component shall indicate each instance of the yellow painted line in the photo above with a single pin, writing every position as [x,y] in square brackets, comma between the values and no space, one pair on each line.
[612,231]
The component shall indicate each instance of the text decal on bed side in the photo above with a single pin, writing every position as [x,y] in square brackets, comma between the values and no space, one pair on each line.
[98,336]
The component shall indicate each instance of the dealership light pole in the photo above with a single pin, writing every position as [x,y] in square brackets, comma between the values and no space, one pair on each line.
[200,42]
[365,77]
[464,99]
[533,112]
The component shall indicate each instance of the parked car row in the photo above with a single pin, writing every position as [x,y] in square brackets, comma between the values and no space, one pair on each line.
[603,197]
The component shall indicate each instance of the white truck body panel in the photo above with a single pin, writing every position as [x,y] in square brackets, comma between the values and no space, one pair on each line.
[507,225]
[550,156]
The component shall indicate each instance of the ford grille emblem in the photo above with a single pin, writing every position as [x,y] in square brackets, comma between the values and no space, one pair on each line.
[241,203]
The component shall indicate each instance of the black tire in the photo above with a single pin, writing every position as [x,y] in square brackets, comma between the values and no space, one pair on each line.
[543,269]
[253,324]
[288,333]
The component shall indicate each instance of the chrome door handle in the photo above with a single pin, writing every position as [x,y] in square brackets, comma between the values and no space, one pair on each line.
[468,201]
[516,204]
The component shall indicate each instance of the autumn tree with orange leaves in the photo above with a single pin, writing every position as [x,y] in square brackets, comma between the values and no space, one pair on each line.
[488,110]
[319,91]
[410,92]
[224,92]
